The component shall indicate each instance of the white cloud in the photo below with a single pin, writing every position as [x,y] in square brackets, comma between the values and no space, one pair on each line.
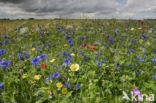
[75,8]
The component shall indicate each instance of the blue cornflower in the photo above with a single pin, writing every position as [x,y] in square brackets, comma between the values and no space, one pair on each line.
[154,51]
[64,54]
[99,64]
[130,65]
[64,67]
[119,71]
[35,61]
[154,76]
[7,42]
[83,38]
[66,61]
[117,64]
[131,50]
[81,53]
[133,41]
[153,60]
[67,85]
[141,60]
[104,60]
[56,75]
[77,86]
[67,37]
[26,55]
[136,72]
[48,79]
[143,52]
[6,37]
[2,51]
[69,56]
[71,44]
[117,53]
[4,64]
[1,85]
[69,41]
[111,40]
[101,53]
[97,57]
[44,56]
[144,36]
[1,43]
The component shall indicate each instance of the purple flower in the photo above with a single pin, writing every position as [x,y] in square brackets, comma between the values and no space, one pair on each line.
[131,50]
[77,86]
[136,92]
[2,52]
[35,61]
[66,61]
[44,56]
[69,41]
[99,64]
[4,64]
[1,85]
[117,64]
[56,75]
[153,60]
[141,60]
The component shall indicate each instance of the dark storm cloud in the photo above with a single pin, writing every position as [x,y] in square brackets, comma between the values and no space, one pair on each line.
[73,8]
[13,1]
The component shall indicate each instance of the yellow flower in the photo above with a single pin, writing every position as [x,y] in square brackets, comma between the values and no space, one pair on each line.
[132,29]
[59,85]
[148,43]
[140,41]
[24,76]
[72,54]
[106,81]
[64,90]
[33,49]
[30,39]
[52,60]
[49,92]
[65,45]
[74,67]
[37,77]
[139,28]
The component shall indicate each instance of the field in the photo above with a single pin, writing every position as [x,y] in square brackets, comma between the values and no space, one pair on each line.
[77,61]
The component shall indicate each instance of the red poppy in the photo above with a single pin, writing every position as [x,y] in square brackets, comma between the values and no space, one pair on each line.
[43,66]
[139,21]
[145,27]
[142,22]
[92,47]
[84,45]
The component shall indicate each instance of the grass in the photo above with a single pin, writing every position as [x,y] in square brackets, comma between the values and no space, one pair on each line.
[123,60]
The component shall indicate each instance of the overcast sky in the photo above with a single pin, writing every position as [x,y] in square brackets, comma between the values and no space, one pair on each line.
[121,9]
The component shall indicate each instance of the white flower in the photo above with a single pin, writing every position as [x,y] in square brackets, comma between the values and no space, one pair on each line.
[74,67]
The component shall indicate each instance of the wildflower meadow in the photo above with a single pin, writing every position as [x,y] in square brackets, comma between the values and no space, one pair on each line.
[77,61]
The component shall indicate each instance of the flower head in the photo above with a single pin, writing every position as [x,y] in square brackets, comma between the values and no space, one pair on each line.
[74,67]
[35,61]
[43,66]
[56,75]
[24,76]
[44,56]
[64,90]
[52,60]
[1,85]
[37,77]
[92,47]
[4,63]
[2,51]
[59,85]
